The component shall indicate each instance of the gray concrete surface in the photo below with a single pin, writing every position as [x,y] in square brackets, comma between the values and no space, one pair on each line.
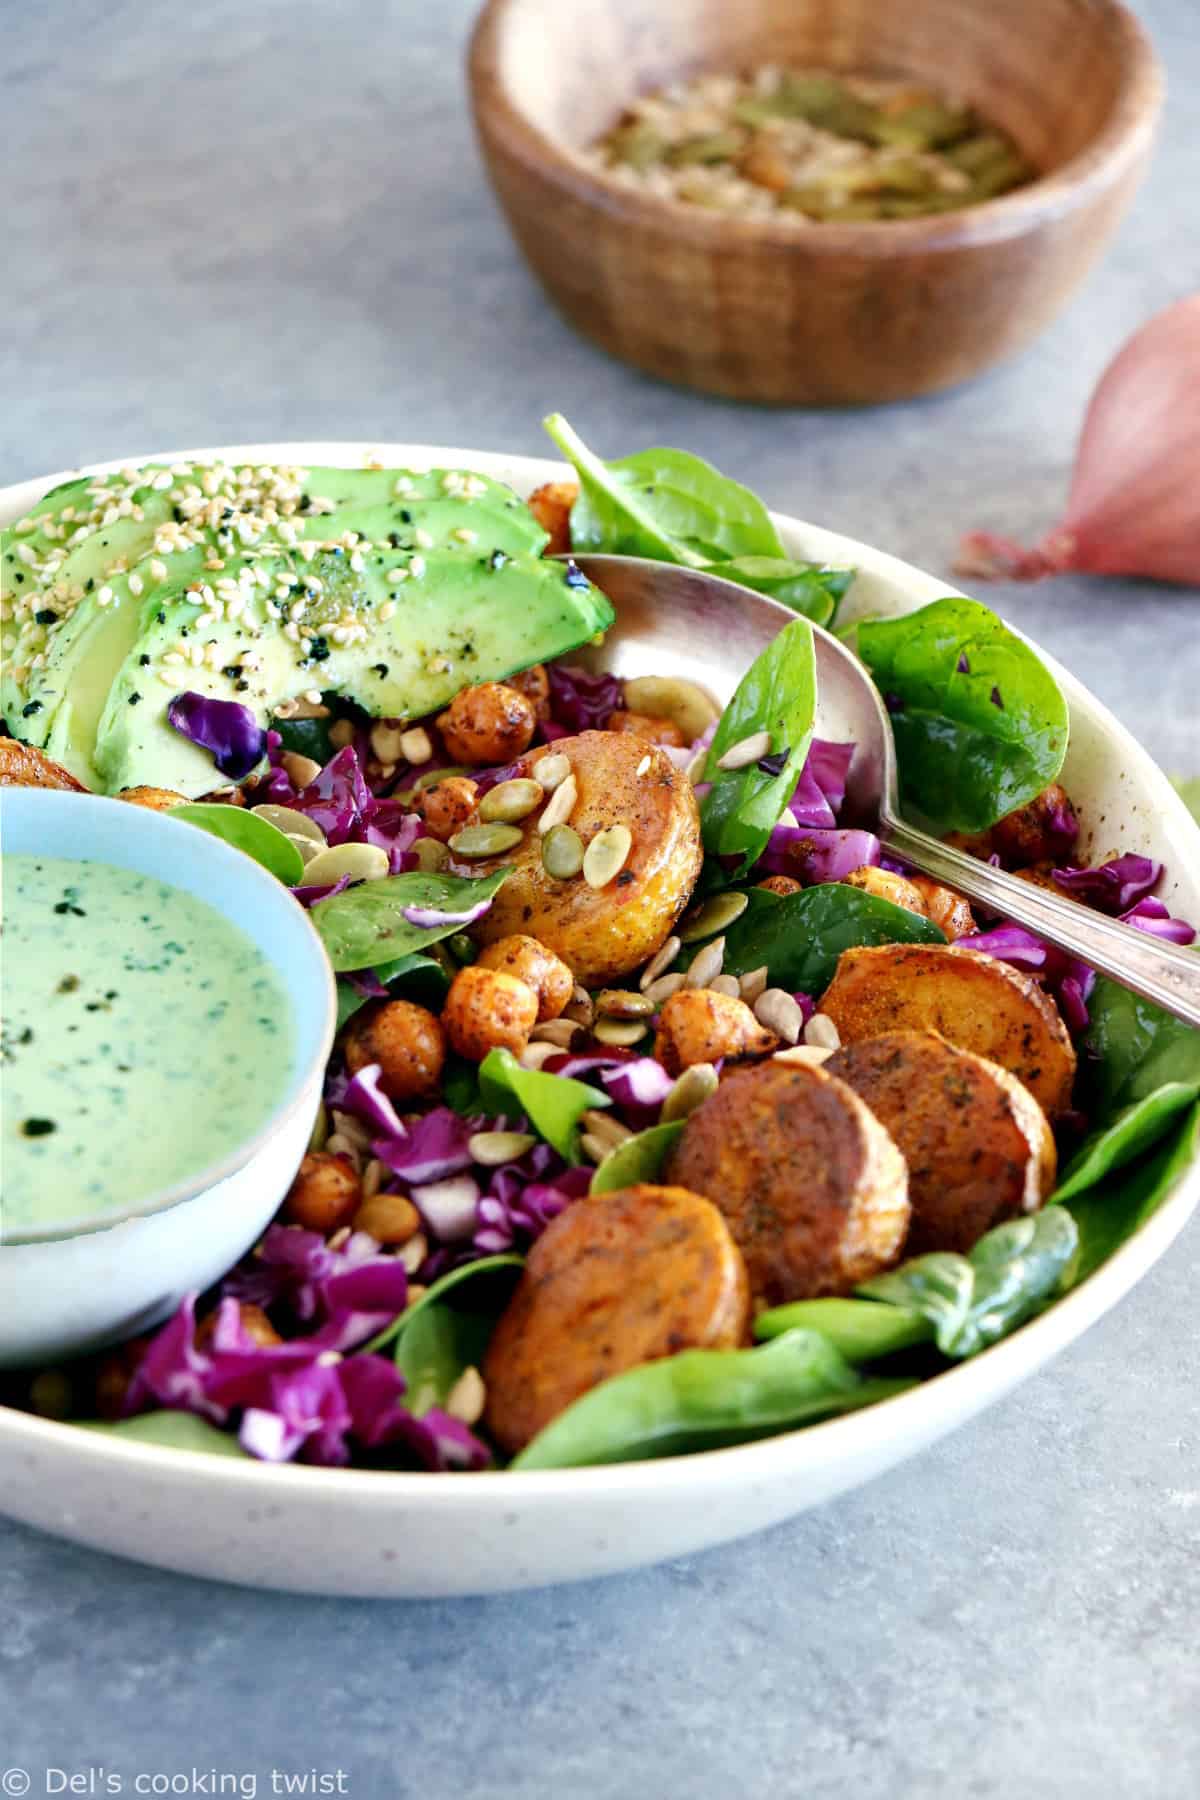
[267,220]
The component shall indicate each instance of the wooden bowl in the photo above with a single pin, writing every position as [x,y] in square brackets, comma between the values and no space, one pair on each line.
[814,314]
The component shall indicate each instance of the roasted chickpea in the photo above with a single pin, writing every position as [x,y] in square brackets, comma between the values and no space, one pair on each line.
[488,1010]
[490,723]
[947,909]
[447,806]
[388,1218]
[407,1043]
[886,886]
[325,1194]
[535,685]
[157,799]
[780,884]
[646,725]
[537,967]
[1043,831]
[253,1321]
[551,507]
[697,1025]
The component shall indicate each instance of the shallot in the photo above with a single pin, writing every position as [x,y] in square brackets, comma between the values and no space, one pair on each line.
[1134,507]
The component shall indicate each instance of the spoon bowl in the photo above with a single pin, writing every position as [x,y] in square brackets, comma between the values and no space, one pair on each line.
[710,630]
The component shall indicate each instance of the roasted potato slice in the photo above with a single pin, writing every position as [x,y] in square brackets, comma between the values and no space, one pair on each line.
[975,1001]
[978,1146]
[812,1187]
[23,766]
[602,933]
[616,1280]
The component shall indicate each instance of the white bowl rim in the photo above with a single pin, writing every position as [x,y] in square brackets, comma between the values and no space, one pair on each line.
[272,895]
[912,1415]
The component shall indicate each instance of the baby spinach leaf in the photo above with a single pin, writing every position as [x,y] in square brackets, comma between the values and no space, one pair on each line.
[800,937]
[862,1330]
[415,977]
[777,694]
[460,1086]
[1134,1129]
[1189,792]
[702,1400]
[1134,1048]
[1112,1211]
[662,503]
[170,1431]
[639,1158]
[553,1104]
[980,723]
[489,1276]
[437,1345]
[808,588]
[349,1001]
[365,926]
[972,1301]
[306,737]
[257,837]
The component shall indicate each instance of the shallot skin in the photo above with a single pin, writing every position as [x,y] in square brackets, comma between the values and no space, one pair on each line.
[1134,506]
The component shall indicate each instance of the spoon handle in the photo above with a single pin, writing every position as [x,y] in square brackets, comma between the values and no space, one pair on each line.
[1167,974]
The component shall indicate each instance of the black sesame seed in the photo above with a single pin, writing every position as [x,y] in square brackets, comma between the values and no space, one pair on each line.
[381,670]
[144,662]
[46,615]
[575,577]
[497,559]
[34,706]
[38,1127]
[134,699]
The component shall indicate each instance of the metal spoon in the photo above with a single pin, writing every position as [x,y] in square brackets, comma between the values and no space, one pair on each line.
[676,621]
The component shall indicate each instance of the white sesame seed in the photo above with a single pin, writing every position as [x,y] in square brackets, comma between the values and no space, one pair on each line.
[356,562]
[464,534]
[135,585]
[387,611]
[416,567]
[158,569]
[24,525]
[172,656]
[402,485]
[104,597]
[313,696]
[423,539]
[396,576]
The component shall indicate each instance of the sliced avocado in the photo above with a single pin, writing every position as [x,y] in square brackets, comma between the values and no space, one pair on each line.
[400,634]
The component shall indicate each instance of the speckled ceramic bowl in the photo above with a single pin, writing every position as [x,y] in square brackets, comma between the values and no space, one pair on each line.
[345,1532]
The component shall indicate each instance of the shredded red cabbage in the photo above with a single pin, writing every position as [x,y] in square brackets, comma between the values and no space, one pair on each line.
[1113,887]
[225,728]
[582,701]
[432,918]
[1152,916]
[813,857]
[1068,980]
[434,1147]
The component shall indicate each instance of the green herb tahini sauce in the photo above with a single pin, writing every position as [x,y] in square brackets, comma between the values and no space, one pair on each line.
[145,1038]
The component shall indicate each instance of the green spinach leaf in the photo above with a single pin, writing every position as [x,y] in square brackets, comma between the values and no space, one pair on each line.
[489,1276]
[778,695]
[365,926]
[418,978]
[1134,1129]
[1133,1048]
[980,723]
[1189,791]
[800,937]
[702,1400]
[553,1104]
[639,1158]
[1112,1211]
[437,1345]
[662,503]
[170,1431]
[862,1330]
[306,737]
[259,839]
[972,1301]
[807,588]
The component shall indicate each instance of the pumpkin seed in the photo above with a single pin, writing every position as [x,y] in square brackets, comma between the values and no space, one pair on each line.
[387,744]
[300,770]
[809,1056]
[484,840]
[747,751]
[692,1089]
[431,854]
[492,1148]
[822,1032]
[562,852]
[510,801]
[305,845]
[624,1032]
[534,1055]
[579,1009]
[620,1003]
[432,777]
[560,805]
[462,948]
[593,1147]
[715,915]
[753,984]
[549,771]
[607,855]
[707,963]
[667,697]
[415,746]
[294,824]
[660,962]
[559,1032]
[361,862]
[468,1397]
[729,985]
[776,1009]
[664,987]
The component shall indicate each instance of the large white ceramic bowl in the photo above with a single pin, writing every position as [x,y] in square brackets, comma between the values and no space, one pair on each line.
[76,1286]
[332,1531]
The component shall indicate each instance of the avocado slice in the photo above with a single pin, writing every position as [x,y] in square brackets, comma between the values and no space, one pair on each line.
[400,634]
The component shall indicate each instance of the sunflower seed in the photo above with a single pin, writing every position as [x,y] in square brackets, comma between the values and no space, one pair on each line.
[580,1010]
[300,770]
[560,1032]
[606,855]
[822,1032]
[594,1148]
[415,746]
[549,771]
[414,1254]
[729,985]
[664,987]
[715,915]
[707,963]
[560,805]
[695,769]
[644,766]
[484,840]
[387,744]
[374,1176]
[809,1056]
[619,1031]
[741,755]
[753,984]
[660,962]
[776,1009]
[467,1398]
[603,1125]
[690,1091]
[562,852]
[534,1055]
[620,1003]
[492,1148]
[510,800]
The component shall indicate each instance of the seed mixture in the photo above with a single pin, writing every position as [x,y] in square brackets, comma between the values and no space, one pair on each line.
[808,145]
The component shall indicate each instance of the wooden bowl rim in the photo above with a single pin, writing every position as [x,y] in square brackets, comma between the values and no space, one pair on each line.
[1119,144]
